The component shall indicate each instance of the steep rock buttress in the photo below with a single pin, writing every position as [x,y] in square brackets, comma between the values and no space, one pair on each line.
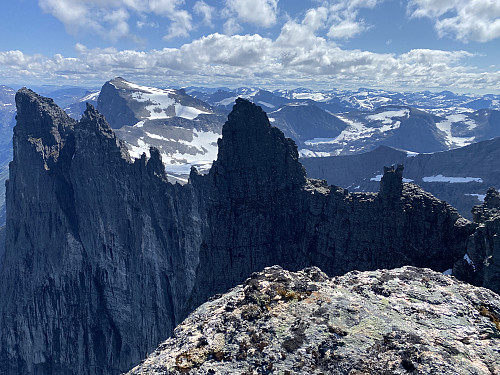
[101,251]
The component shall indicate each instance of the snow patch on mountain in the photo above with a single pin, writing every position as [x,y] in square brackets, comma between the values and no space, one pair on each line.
[140,124]
[316,96]
[189,113]
[160,103]
[227,101]
[451,180]
[446,124]
[354,131]
[480,197]
[90,97]
[378,178]
[202,151]
[305,153]
[386,117]
[141,148]
[269,105]
[320,141]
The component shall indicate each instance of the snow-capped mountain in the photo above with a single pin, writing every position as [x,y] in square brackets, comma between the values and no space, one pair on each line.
[363,99]
[438,103]
[184,129]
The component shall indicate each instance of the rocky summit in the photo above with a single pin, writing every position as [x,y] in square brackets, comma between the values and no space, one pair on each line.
[403,321]
[104,257]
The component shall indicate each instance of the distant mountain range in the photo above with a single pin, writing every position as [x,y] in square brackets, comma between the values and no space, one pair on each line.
[338,101]
[184,124]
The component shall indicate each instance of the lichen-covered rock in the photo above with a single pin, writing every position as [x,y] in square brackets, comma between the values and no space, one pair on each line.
[402,321]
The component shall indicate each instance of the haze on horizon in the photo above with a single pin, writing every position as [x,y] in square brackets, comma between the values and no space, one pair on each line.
[400,45]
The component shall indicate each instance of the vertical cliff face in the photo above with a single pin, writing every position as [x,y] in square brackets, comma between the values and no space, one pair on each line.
[112,102]
[104,256]
[101,251]
[481,263]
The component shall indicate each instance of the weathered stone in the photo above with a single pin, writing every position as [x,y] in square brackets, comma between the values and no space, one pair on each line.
[427,323]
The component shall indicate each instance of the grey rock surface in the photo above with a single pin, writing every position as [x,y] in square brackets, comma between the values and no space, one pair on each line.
[402,321]
[104,256]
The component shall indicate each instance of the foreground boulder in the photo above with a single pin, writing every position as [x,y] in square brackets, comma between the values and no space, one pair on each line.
[401,321]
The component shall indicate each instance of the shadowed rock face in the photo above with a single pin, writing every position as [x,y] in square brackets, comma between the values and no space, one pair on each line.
[406,320]
[481,264]
[104,256]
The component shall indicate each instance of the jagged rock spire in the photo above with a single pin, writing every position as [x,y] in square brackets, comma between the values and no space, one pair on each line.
[251,146]
[391,184]
[41,126]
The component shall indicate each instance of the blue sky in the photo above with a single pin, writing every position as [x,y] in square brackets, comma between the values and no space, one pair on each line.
[405,45]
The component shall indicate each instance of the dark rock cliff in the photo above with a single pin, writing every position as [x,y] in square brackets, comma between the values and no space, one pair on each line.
[113,102]
[103,256]
[481,264]
[477,165]
[98,248]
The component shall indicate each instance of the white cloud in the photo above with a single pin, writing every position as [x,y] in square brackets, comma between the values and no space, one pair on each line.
[346,29]
[465,20]
[144,24]
[344,22]
[261,13]
[231,26]
[205,10]
[180,26]
[110,18]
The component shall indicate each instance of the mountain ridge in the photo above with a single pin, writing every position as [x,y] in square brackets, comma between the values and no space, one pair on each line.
[121,255]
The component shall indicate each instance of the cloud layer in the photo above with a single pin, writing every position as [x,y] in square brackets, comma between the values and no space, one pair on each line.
[110,18]
[302,51]
[296,57]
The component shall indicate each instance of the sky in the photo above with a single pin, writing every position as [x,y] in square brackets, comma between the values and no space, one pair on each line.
[399,45]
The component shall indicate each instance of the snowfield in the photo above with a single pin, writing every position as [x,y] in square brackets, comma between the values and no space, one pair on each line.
[445,126]
[451,180]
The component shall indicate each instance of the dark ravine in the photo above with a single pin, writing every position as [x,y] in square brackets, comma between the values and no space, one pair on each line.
[104,257]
